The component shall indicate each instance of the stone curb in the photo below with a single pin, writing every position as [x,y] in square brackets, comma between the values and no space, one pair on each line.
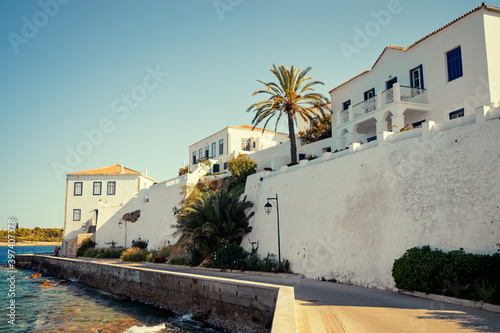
[453,300]
[267,274]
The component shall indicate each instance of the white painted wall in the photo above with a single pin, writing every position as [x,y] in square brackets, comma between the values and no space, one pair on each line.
[491,29]
[350,217]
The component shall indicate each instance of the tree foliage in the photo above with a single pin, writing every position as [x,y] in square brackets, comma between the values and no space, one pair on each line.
[213,219]
[293,96]
[183,171]
[241,167]
[321,129]
[36,234]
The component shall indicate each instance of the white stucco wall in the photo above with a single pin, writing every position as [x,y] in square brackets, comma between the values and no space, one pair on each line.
[350,217]
[154,224]
[491,29]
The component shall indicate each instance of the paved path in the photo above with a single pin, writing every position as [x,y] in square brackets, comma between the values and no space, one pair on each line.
[332,307]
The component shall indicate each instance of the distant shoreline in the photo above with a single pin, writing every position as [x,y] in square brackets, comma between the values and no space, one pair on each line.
[31,243]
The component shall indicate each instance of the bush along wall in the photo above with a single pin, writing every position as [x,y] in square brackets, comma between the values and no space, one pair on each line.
[455,273]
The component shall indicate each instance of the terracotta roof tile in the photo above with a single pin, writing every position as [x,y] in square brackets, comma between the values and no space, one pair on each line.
[400,48]
[109,170]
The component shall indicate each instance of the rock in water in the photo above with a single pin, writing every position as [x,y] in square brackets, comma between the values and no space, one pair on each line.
[35,276]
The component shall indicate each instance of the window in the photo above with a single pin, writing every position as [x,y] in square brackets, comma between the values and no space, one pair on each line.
[97,188]
[390,83]
[346,105]
[245,144]
[78,188]
[302,157]
[200,156]
[221,146]
[418,124]
[77,214]
[454,59]
[417,78]
[194,157]
[253,146]
[111,188]
[206,151]
[457,114]
[326,150]
[369,94]
[226,165]
[372,138]
[213,149]
[216,168]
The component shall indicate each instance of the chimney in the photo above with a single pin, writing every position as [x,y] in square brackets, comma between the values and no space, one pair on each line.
[122,168]
[146,172]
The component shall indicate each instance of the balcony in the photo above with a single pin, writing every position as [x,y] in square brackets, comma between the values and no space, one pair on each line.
[384,99]
[365,107]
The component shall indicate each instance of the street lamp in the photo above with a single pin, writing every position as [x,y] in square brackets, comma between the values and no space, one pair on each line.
[268,208]
[120,223]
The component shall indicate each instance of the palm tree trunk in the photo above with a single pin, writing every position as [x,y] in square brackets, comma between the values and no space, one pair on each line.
[293,143]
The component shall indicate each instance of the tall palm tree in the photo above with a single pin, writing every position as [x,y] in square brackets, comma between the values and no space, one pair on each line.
[291,97]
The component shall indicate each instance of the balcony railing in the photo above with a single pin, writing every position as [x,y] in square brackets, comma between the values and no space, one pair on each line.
[413,95]
[388,96]
[344,116]
[395,94]
[365,107]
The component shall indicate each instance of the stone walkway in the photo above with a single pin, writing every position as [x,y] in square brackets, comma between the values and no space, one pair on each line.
[332,307]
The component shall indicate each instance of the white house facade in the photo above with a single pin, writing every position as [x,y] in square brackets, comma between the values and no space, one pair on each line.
[444,75]
[91,191]
[231,141]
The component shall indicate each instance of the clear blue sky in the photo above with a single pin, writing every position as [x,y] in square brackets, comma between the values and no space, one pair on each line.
[69,68]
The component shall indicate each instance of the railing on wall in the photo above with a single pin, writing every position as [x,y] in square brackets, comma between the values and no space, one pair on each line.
[344,116]
[388,96]
[413,95]
[365,107]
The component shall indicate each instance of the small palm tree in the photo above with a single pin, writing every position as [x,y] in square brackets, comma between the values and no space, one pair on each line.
[215,218]
[291,97]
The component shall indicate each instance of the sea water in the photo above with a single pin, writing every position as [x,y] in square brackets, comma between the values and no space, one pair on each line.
[32,305]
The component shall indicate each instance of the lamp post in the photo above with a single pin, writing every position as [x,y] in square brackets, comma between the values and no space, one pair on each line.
[120,223]
[268,208]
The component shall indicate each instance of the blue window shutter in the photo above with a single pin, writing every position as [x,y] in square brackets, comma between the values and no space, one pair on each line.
[454,58]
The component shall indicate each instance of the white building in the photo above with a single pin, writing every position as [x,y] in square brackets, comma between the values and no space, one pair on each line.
[231,141]
[88,192]
[444,75]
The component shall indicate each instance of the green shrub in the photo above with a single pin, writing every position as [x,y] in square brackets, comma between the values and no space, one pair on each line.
[134,254]
[184,261]
[455,273]
[111,253]
[86,244]
[485,291]
[196,257]
[418,269]
[230,256]
[91,252]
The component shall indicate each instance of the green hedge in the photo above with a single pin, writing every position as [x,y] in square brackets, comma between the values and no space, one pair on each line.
[455,273]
